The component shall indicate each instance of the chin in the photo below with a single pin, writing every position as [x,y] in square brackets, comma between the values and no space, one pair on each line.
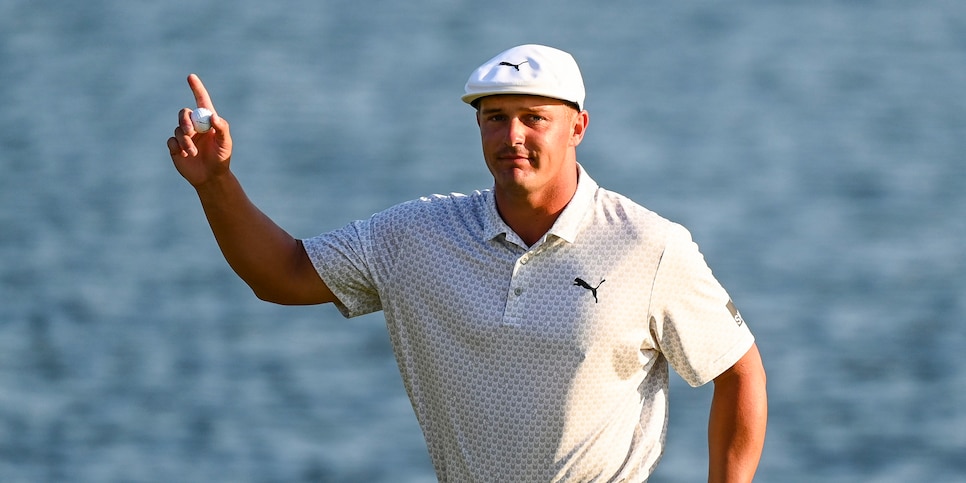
[521,184]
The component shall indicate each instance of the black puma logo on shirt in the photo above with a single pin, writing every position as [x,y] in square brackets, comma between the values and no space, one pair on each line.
[593,290]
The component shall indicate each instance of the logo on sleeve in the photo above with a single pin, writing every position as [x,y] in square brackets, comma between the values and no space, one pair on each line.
[734,313]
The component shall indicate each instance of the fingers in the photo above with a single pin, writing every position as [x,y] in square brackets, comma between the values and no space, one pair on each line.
[181,145]
[185,141]
[202,99]
[184,122]
[183,134]
[174,148]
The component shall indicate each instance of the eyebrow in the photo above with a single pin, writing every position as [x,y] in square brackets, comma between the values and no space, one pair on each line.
[532,110]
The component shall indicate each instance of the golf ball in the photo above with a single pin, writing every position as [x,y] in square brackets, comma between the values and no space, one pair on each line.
[201,119]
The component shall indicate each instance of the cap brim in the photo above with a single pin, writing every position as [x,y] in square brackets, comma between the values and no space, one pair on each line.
[471,98]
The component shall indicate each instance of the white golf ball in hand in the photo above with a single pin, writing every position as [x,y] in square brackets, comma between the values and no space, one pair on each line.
[201,119]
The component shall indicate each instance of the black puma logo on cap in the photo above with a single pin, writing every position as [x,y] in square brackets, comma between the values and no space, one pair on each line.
[515,66]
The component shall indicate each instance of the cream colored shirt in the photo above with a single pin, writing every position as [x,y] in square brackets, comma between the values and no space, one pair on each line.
[541,363]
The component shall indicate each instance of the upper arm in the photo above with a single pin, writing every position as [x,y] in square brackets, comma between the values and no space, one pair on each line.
[748,369]
[302,286]
[316,291]
[739,417]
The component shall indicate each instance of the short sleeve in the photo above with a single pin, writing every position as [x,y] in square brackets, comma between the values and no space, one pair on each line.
[344,259]
[696,325]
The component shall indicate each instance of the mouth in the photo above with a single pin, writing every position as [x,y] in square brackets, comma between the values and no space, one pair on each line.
[514,157]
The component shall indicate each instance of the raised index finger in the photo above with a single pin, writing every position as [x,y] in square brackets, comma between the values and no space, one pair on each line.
[201,94]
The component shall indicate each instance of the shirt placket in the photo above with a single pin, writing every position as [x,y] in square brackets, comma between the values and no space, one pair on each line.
[519,301]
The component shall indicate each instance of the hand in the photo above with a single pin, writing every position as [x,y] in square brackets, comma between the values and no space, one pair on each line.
[200,157]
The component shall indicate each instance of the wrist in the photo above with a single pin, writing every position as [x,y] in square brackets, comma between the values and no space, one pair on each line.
[217,185]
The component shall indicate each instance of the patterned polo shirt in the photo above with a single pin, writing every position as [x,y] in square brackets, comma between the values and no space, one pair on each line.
[540,363]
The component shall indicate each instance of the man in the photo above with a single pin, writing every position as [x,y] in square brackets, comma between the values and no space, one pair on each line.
[533,323]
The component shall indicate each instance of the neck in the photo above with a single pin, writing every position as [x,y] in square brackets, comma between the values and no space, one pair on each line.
[532,214]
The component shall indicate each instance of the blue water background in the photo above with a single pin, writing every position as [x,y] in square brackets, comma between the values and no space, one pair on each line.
[814,148]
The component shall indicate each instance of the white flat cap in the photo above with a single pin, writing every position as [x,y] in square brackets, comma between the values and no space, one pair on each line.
[528,69]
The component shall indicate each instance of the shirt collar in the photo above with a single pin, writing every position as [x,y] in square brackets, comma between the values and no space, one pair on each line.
[568,223]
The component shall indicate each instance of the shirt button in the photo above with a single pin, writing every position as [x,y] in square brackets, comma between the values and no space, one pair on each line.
[517,291]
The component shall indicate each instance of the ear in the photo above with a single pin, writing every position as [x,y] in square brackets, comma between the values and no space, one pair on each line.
[581,120]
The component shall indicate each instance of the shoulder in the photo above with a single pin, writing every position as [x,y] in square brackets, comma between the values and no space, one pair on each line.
[434,212]
[612,207]
[437,204]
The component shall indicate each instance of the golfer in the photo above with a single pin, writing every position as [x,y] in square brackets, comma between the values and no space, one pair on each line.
[534,322]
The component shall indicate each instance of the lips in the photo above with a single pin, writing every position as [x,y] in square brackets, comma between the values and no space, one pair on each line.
[511,155]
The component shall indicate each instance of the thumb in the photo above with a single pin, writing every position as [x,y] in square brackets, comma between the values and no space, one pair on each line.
[220,125]
[222,136]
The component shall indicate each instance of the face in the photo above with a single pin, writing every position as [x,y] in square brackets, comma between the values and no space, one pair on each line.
[529,143]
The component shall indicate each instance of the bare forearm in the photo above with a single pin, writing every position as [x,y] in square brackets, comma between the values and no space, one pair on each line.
[273,263]
[264,255]
[739,415]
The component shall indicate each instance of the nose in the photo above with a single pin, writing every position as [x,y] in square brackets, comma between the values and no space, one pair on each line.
[515,132]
